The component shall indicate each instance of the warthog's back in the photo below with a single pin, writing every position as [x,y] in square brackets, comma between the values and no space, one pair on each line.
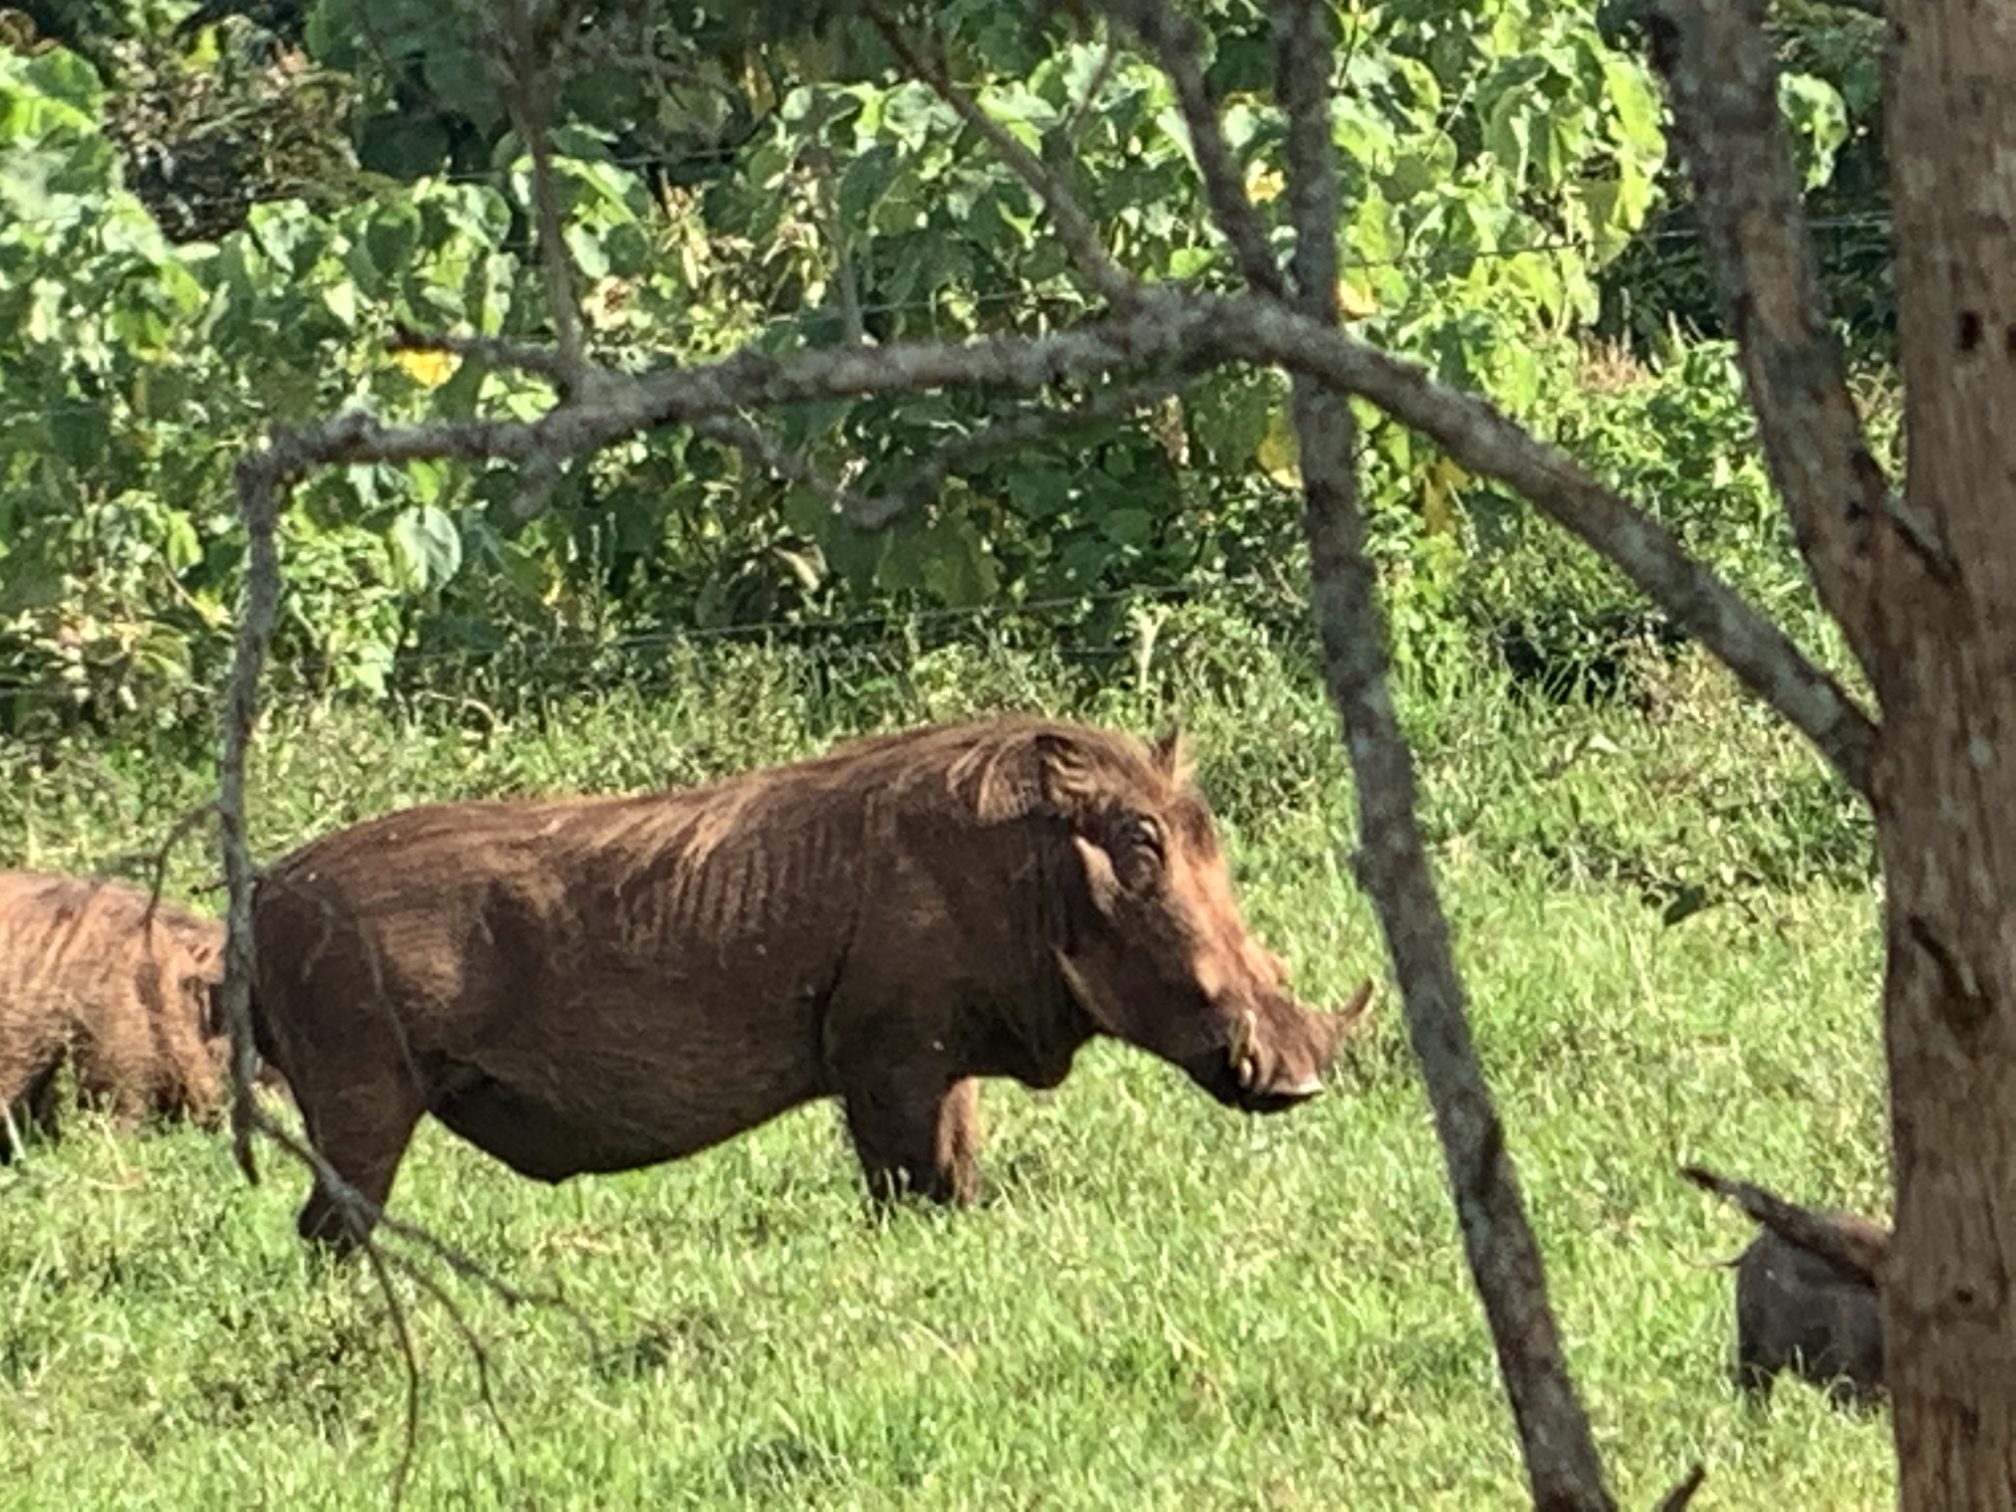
[76,940]
[91,974]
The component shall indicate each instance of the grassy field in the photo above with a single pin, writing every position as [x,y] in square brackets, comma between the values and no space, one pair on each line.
[1665,917]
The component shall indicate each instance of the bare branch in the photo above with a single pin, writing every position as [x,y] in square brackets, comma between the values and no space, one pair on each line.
[1722,79]
[1486,442]
[1682,1495]
[259,485]
[1178,45]
[1562,1464]
[1081,238]
[156,860]
[518,65]
[1164,332]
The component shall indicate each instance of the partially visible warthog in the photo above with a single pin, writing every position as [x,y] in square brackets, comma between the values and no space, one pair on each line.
[91,978]
[1806,1295]
[595,984]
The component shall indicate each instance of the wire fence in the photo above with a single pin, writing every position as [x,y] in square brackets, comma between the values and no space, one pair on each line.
[871,637]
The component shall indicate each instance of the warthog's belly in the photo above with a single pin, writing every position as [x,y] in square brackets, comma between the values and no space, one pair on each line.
[548,1143]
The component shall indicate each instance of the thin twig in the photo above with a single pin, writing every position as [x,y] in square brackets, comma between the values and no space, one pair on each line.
[1081,238]
[471,1341]
[157,859]
[521,68]
[402,1330]
[1559,1449]
[1678,1499]
[1177,42]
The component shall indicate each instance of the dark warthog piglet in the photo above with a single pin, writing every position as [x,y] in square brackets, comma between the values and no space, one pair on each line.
[92,978]
[595,984]
[1806,1295]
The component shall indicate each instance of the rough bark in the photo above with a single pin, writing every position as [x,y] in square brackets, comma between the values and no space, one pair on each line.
[1925,589]
[1945,772]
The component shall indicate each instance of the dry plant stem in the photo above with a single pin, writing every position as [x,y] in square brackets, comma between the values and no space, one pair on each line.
[1562,1465]
[1178,45]
[1722,78]
[1081,238]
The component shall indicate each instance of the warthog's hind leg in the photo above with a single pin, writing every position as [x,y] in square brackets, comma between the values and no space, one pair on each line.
[363,1139]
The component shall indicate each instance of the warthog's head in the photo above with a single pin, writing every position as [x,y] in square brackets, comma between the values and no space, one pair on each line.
[1158,954]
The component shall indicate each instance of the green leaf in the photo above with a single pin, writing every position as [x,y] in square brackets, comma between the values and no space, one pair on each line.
[429,543]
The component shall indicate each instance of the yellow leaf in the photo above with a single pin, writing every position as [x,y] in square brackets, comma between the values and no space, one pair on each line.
[1279,456]
[430,368]
[1263,183]
[1353,302]
[1438,495]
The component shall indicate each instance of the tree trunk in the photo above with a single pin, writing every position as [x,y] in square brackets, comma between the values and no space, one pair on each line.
[1944,779]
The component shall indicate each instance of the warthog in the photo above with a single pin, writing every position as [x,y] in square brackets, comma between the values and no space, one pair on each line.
[1806,1295]
[90,977]
[594,984]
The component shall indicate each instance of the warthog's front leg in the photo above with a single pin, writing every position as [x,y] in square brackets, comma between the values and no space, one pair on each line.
[916,1135]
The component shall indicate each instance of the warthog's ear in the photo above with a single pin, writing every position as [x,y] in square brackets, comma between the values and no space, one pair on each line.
[1062,775]
[1172,754]
[1101,881]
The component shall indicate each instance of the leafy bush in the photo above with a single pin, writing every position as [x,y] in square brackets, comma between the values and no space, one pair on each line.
[1496,163]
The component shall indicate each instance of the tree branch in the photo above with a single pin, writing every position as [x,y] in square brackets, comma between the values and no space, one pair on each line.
[1165,332]
[1486,442]
[1081,238]
[1178,45]
[260,482]
[523,80]
[1562,1464]
[1722,79]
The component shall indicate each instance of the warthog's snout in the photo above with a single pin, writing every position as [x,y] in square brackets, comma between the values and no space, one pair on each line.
[1277,1059]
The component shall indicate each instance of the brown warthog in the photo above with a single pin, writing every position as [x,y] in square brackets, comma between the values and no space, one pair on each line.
[1806,1295]
[594,984]
[90,977]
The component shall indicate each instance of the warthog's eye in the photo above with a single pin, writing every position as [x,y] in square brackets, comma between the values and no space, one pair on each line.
[1140,832]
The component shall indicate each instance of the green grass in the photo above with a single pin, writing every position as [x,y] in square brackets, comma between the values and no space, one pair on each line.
[1161,1304]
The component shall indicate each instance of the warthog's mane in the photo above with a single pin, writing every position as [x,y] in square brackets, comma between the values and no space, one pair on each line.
[1017,766]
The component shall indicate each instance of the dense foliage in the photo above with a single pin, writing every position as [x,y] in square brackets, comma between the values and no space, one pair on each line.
[210,221]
